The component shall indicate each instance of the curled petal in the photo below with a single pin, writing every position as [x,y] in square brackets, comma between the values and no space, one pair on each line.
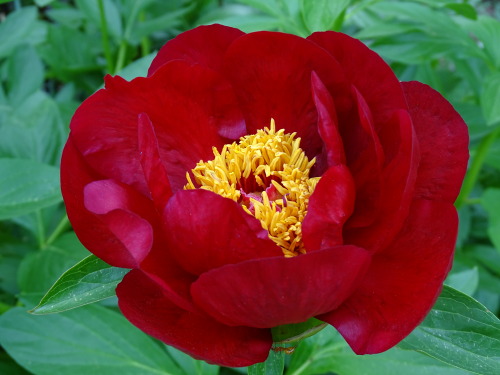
[154,171]
[143,302]
[329,207]
[265,293]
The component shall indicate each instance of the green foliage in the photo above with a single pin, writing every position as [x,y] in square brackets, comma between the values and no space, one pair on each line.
[54,53]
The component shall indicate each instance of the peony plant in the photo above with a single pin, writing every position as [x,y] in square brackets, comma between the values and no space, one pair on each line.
[259,183]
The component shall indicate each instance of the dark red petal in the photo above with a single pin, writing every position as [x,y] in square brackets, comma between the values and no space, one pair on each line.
[333,148]
[397,181]
[271,75]
[205,45]
[205,231]
[329,207]
[270,292]
[192,110]
[96,232]
[143,303]
[443,141]
[152,166]
[366,71]
[403,281]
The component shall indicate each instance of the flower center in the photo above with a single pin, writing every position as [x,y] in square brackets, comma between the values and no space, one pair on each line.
[267,173]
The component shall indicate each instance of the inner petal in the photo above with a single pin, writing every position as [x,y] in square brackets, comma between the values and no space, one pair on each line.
[267,173]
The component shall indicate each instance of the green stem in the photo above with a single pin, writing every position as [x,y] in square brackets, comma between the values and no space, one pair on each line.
[120,61]
[274,364]
[40,229]
[105,38]
[122,51]
[63,225]
[475,168]
[145,43]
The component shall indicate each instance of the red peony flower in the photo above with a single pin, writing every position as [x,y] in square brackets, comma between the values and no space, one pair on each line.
[257,180]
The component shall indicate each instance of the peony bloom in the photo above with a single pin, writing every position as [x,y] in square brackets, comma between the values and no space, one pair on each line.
[257,180]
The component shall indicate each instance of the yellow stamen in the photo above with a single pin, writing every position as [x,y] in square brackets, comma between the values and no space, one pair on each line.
[268,174]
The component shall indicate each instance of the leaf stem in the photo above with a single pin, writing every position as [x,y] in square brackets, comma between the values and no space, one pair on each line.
[63,225]
[40,229]
[105,38]
[475,168]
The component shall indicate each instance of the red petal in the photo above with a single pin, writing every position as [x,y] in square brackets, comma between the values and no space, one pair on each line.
[191,108]
[396,192]
[204,45]
[98,233]
[206,231]
[146,306]
[403,281]
[271,75]
[329,207]
[270,292]
[333,147]
[443,141]
[366,71]
[152,166]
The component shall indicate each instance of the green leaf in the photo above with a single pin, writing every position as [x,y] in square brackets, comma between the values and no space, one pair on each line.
[327,352]
[487,30]
[21,27]
[20,83]
[40,270]
[90,340]
[465,281]
[321,15]
[9,367]
[189,365]
[113,19]
[27,186]
[89,281]
[461,332]
[491,203]
[490,99]
[463,9]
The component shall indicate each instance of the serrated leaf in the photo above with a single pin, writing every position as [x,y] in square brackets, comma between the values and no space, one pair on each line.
[27,186]
[491,203]
[461,332]
[90,340]
[88,281]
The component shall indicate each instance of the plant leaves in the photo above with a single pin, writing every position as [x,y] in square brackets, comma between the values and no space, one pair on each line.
[490,99]
[321,15]
[27,186]
[491,203]
[461,332]
[84,341]
[88,281]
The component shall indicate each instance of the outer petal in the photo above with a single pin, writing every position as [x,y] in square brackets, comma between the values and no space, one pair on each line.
[329,207]
[443,140]
[191,108]
[270,292]
[403,281]
[205,231]
[204,45]
[144,304]
[100,233]
[271,75]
